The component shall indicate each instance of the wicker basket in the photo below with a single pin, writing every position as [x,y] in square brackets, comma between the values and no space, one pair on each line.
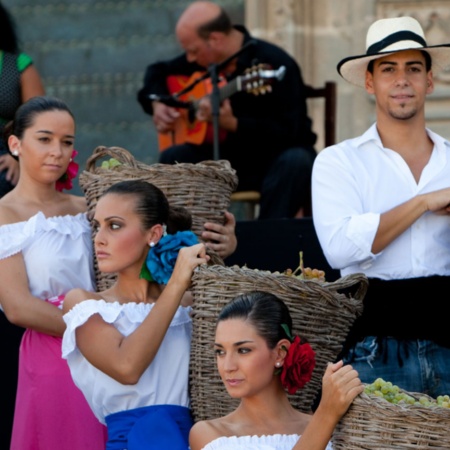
[204,189]
[322,313]
[373,423]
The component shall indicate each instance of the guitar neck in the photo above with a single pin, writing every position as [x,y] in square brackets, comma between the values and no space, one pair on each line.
[229,89]
[226,91]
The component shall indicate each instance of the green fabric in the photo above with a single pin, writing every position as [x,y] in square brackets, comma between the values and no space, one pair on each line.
[23,61]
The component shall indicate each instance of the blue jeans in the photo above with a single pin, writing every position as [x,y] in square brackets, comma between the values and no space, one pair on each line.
[413,365]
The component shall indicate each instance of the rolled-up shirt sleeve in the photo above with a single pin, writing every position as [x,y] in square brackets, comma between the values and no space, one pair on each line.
[346,233]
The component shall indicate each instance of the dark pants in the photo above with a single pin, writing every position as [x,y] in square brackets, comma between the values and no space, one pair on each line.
[10,338]
[285,186]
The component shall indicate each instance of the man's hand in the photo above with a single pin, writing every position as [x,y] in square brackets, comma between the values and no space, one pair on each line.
[227,120]
[164,117]
[221,238]
[8,163]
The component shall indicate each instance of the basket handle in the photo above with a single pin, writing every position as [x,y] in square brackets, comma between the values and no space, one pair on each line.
[122,155]
[357,281]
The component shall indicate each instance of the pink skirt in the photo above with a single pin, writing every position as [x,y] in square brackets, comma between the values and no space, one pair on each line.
[51,412]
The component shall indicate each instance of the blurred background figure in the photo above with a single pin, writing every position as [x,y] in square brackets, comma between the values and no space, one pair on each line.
[19,81]
[268,139]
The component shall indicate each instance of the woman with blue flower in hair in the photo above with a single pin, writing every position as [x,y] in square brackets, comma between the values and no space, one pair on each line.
[128,347]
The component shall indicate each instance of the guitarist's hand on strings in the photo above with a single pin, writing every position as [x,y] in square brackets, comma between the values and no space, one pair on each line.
[227,120]
[164,117]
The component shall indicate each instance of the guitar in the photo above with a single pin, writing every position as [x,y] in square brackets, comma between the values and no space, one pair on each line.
[187,129]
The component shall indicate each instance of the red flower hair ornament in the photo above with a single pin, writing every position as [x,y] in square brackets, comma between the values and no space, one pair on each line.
[65,181]
[298,364]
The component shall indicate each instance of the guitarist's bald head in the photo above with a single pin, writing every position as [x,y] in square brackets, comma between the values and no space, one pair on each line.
[206,33]
[204,17]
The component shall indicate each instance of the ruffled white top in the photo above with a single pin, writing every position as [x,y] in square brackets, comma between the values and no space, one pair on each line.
[164,382]
[268,442]
[57,252]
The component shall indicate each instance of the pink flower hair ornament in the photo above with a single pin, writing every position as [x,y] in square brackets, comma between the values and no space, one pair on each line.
[298,365]
[65,181]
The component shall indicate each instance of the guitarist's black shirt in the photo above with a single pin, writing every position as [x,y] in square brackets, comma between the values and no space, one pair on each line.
[267,124]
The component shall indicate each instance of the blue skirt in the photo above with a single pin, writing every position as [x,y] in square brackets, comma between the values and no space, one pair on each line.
[150,428]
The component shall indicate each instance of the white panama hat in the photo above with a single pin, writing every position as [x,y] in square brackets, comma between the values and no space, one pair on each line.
[387,36]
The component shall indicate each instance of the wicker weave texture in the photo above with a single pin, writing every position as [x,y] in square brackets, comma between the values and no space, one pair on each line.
[204,189]
[373,423]
[322,313]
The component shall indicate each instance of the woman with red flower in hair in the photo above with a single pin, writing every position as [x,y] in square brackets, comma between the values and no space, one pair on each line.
[45,251]
[259,360]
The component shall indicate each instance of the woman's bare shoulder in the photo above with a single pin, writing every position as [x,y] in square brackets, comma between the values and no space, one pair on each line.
[77,295]
[8,211]
[79,203]
[205,431]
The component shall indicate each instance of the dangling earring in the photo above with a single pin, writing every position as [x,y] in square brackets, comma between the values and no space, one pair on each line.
[151,244]
[15,153]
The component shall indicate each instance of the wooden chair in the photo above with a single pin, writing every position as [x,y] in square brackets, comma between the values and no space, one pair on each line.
[250,199]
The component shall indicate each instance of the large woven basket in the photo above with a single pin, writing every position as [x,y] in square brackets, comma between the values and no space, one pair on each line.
[322,313]
[373,423]
[204,189]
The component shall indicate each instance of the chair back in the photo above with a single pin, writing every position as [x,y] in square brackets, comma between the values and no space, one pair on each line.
[249,200]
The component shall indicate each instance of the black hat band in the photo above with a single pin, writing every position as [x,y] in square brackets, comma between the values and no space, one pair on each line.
[379,46]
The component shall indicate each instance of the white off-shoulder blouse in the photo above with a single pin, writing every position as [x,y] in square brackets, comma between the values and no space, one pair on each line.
[57,252]
[164,382]
[268,442]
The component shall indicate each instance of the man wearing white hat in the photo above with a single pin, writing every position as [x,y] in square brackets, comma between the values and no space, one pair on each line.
[381,206]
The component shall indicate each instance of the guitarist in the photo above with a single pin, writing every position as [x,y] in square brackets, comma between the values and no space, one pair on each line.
[267,138]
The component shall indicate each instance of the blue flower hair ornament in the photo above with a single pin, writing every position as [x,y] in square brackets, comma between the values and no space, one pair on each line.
[162,257]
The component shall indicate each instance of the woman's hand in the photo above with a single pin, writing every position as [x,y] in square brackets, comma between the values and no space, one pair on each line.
[8,163]
[221,238]
[340,386]
[188,259]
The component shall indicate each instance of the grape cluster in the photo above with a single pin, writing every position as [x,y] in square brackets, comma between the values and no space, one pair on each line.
[110,164]
[306,273]
[393,394]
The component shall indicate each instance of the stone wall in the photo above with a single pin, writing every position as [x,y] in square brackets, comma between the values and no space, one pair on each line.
[319,33]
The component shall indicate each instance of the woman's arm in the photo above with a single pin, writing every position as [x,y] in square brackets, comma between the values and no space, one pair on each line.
[31,83]
[20,306]
[125,358]
[340,385]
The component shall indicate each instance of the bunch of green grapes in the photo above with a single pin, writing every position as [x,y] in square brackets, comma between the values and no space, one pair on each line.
[110,164]
[393,394]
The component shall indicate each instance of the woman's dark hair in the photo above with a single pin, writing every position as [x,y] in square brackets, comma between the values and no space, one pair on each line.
[220,23]
[9,41]
[264,311]
[152,205]
[180,219]
[26,114]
